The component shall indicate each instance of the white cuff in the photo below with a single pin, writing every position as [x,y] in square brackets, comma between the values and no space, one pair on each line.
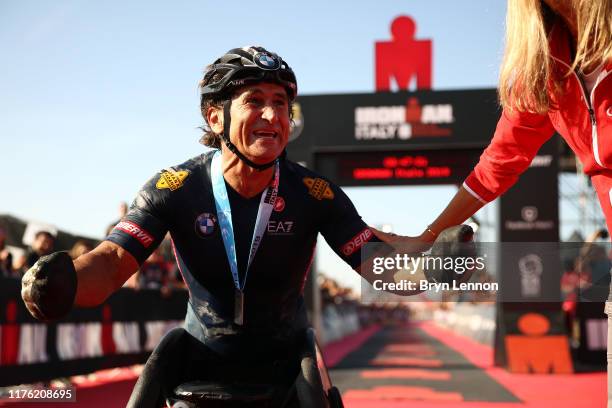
[476,196]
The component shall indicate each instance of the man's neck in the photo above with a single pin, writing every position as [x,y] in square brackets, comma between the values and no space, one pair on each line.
[245,180]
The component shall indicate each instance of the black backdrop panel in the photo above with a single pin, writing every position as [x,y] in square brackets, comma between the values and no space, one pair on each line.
[418,119]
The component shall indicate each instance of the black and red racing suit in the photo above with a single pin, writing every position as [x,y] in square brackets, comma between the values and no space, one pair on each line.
[180,200]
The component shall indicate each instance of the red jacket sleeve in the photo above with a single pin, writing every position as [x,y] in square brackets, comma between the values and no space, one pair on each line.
[517,139]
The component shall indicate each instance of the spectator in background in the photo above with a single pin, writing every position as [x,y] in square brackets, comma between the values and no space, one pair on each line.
[154,272]
[123,208]
[79,248]
[44,243]
[570,280]
[594,266]
[159,271]
[6,259]
[19,266]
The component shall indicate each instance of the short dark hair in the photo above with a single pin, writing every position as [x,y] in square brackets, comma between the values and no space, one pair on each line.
[210,138]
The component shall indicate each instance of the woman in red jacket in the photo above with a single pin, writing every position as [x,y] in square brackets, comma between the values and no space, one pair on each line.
[556,76]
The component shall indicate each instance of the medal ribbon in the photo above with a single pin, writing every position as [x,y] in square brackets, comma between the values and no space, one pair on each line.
[224,212]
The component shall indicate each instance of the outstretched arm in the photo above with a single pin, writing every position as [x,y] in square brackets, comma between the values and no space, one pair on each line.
[55,283]
[101,272]
[462,206]
[517,139]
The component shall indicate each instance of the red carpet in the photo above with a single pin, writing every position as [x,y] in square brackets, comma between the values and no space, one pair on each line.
[335,351]
[532,391]
[559,391]
[394,386]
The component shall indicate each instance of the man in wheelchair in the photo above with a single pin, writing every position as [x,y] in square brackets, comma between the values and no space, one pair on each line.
[244,220]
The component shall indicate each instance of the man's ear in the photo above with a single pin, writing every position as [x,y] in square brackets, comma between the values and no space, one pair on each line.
[214,117]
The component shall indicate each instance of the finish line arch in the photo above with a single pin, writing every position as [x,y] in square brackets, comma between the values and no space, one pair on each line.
[435,138]
[333,133]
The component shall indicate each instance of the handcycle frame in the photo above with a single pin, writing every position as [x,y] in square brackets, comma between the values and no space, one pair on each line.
[313,387]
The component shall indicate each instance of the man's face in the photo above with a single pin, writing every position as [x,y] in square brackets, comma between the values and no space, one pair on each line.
[43,244]
[260,121]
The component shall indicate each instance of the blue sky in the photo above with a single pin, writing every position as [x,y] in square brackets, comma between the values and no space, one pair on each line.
[98,96]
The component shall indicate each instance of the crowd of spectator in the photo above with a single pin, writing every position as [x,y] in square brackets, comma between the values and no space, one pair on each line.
[342,312]
[158,272]
[586,274]
[587,270]
[15,266]
[585,278]
[6,258]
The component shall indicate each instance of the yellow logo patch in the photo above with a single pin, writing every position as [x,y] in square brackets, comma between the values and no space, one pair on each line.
[171,179]
[319,188]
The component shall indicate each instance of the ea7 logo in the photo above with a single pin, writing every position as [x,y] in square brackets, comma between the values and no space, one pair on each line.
[280,227]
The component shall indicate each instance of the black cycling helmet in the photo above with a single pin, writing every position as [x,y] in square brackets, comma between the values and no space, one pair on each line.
[239,67]
[244,66]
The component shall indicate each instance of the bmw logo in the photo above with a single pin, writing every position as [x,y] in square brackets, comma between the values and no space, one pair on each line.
[266,61]
[205,224]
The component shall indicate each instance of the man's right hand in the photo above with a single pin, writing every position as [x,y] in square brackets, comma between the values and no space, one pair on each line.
[49,287]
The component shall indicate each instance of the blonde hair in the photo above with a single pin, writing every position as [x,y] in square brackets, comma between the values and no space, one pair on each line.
[526,67]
